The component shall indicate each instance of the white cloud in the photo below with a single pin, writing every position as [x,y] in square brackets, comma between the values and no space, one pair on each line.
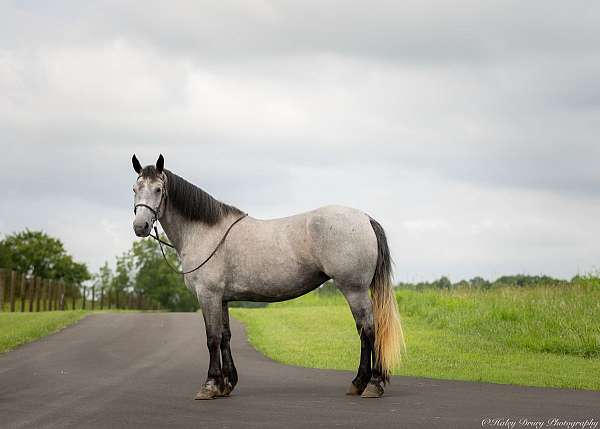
[468,130]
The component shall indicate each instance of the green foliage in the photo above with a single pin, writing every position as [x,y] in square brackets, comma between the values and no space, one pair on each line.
[121,280]
[142,270]
[519,280]
[157,280]
[36,253]
[543,335]
[104,277]
[563,320]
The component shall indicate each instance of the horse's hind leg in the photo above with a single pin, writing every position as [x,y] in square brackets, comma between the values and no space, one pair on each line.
[230,377]
[362,310]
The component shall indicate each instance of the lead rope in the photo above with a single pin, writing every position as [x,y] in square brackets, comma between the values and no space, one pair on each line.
[160,243]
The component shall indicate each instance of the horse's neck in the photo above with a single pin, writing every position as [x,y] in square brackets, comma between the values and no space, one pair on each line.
[184,233]
[177,228]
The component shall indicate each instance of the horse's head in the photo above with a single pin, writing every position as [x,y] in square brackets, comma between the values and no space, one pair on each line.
[150,195]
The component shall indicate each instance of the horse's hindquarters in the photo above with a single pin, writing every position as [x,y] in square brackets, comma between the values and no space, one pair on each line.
[344,244]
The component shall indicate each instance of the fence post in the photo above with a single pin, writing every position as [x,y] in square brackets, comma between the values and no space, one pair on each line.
[56,295]
[23,291]
[51,292]
[11,292]
[102,298]
[2,281]
[31,287]
[48,294]
[59,290]
[38,290]
[61,296]
[44,294]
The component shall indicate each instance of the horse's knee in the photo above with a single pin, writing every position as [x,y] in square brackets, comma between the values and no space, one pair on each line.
[213,341]
[225,338]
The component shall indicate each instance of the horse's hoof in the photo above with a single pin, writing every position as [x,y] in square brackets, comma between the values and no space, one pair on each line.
[227,388]
[208,391]
[373,390]
[354,390]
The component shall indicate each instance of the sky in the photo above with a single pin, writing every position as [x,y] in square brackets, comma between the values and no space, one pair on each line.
[468,129]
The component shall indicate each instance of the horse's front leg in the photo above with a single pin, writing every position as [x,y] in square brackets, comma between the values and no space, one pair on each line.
[212,313]
[229,372]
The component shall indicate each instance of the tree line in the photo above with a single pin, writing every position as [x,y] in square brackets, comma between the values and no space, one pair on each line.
[140,270]
[518,280]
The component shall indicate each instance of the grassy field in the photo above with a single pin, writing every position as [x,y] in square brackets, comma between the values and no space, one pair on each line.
[538,336]
[21,328]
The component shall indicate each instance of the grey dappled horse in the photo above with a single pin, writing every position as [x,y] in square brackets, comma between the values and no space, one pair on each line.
[273,260]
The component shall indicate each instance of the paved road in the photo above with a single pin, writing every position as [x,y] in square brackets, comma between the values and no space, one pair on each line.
[142,370]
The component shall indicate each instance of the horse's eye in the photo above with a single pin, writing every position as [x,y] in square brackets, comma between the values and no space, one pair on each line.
[157,190]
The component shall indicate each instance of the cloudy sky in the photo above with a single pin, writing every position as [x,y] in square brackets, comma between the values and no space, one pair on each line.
[469,129]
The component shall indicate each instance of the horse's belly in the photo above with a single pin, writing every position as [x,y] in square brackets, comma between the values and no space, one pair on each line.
[272,287]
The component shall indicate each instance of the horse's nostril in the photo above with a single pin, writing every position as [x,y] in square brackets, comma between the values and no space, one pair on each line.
[146,225]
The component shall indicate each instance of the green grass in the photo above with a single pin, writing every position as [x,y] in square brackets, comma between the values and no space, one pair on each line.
[21,328]
[540,336]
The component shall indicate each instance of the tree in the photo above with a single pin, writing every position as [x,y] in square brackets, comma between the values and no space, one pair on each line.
[479,282]
[104,277]
[5,260]
[443,283]
[154,278]
[35,253]
[121,281]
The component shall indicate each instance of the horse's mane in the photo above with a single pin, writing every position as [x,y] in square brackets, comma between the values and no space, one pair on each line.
[190,201]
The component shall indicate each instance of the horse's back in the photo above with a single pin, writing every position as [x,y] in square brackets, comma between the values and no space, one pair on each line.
[287,257]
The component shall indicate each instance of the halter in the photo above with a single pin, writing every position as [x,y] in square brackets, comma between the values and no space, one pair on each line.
[156,215]
[155,211]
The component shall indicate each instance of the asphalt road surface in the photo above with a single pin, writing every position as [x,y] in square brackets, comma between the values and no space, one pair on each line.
[136,370]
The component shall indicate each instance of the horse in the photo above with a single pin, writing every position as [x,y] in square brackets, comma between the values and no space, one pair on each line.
[227,255]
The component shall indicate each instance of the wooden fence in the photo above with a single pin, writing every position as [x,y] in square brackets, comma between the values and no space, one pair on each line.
[19,292]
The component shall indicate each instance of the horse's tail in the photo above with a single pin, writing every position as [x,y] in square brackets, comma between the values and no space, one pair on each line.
[389,338]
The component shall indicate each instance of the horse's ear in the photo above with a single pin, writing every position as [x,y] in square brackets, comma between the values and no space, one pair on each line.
[136,165]
[160,164]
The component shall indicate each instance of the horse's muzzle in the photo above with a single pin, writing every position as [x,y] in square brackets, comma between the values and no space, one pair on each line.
[142,229]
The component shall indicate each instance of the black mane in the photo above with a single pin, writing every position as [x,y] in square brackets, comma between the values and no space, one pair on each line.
[191,201]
